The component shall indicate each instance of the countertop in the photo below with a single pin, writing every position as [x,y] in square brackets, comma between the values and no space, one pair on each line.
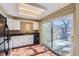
[17,33]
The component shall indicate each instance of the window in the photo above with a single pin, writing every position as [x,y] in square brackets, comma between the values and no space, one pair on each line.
[46,34]
[62,35]
[57,34]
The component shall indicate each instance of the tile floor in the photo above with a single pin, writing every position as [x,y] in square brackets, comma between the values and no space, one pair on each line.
[36,50]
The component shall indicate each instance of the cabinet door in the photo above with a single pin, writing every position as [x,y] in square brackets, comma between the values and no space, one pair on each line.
[13,24]
[16,25]
[10,23]
[22,40]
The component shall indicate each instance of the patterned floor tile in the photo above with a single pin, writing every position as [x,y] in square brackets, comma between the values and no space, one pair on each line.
[36,50]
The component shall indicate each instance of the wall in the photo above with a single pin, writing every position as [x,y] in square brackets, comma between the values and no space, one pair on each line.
[76,30]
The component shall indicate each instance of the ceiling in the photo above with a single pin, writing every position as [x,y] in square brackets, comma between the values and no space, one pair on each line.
[12,9]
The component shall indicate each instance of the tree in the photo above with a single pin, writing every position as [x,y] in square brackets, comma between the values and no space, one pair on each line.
[64,27]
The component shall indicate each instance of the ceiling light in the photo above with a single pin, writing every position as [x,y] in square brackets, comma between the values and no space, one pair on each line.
[29,10]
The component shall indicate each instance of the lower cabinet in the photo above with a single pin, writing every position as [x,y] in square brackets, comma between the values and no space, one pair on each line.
[22,40]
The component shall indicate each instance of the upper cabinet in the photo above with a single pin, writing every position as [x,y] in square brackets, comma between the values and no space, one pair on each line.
[13,24]
[35,25]
[16,24]
[9,23]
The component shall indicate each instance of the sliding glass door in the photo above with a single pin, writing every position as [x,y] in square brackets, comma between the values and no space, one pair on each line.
[62,35]
[46,34]
[57,34]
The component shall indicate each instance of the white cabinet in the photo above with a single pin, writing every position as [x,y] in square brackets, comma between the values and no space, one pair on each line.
[17,41]
[21,40]
[16,25]
[9,23]
[35,25]
[13,24]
